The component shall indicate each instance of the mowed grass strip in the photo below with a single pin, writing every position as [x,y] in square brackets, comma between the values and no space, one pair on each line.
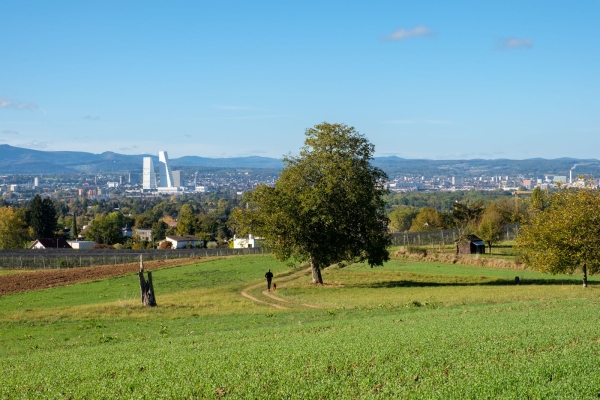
[544,347]
[401,282]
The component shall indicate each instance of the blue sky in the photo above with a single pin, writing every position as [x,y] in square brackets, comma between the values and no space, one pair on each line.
[421,79]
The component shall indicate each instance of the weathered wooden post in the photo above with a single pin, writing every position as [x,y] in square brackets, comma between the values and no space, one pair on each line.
[146,287]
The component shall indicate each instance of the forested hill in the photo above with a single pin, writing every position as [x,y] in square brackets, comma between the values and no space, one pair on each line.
[477,167]
[16,160]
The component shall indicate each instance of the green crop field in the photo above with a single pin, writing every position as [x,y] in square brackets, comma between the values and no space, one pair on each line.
[405,330]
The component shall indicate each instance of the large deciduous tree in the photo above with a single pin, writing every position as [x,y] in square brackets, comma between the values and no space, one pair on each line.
[187,220]
[106,229]
[401,218]
[491,227]
[428,219]
[465,213]
[13,232]
[42,217]
[563,235]
[327,205]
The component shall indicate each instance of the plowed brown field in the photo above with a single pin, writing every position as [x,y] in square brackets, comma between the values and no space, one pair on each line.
[43,279]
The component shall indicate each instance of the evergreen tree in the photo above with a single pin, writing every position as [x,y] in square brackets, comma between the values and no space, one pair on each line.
[42,217]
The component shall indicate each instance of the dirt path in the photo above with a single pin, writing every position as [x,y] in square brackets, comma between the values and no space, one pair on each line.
[271,296]
[246,295]
[47,278]
[268,294]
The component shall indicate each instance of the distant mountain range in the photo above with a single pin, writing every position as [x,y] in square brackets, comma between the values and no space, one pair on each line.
[16,160]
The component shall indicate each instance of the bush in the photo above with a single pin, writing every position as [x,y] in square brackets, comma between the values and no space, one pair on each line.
[416,250]
[165,245]
[212,245]
[102,246]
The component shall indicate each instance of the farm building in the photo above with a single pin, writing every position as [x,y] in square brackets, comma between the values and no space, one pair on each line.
[181,242]
[247,242]
[51,243]
[470,245]
[81,244]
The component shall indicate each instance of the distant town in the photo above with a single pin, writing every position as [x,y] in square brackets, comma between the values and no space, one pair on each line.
[161,179]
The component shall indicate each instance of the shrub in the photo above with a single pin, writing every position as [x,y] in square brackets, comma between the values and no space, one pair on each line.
[102,246]
[416,250]
[165,245]
[212,245]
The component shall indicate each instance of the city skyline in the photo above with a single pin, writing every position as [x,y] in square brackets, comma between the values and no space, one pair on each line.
[434,80]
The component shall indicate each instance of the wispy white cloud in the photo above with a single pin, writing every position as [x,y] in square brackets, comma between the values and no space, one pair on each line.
[418,121]
[438,122]
[34,144]
[402,34]
[130,148]
[515,43]
[234,108]
[7,103]
[10,132]
[401,121]
[91,117]
[236,118]
[470,156]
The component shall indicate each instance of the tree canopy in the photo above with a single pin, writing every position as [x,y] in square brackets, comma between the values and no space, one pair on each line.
[401,218]
[327,205]
[106,229]
[563,235]
[13,232]
[42,217]
[427,219]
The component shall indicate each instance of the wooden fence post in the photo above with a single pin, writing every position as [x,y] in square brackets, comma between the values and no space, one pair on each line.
[146,287]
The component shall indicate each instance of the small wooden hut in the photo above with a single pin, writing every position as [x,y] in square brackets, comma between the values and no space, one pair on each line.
[470,245]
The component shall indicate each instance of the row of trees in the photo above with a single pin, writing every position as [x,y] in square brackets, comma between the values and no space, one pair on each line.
[485,220]
[20,225]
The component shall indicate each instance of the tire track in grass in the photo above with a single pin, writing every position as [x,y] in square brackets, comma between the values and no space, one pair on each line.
[246,295]
[266,293]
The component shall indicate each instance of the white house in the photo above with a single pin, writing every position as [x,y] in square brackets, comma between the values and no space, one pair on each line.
[181,242]
[81,244]
[144,234]
[247,242]
[50,243]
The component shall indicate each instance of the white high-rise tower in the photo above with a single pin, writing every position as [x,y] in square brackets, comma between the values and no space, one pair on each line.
[164,171]
[149,178]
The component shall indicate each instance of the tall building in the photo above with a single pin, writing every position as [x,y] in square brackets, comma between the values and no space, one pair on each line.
[36,181]
[164,171]
[148,178]
[176,178]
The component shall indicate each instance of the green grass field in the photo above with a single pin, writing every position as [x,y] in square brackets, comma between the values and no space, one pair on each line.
[405,330]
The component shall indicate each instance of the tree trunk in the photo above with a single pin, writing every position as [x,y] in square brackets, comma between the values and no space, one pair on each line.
[146,287]
[585,275]
[316,273]
[490,245]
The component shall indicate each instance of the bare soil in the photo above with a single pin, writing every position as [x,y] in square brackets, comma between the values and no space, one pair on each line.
[47,278]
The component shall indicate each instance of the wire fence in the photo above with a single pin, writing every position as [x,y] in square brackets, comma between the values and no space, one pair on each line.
[68,258]
[441,237]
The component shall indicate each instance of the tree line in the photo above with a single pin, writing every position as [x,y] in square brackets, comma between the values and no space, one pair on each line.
[486,220]
[206,216]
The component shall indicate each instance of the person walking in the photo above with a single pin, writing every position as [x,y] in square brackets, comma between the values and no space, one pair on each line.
[269,276]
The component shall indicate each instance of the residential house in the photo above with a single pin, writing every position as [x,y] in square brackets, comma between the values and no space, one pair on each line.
[144,234]
[181,242]
[247,242]
[51,243]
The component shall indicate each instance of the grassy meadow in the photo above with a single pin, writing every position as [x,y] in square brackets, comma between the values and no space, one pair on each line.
[406,330]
